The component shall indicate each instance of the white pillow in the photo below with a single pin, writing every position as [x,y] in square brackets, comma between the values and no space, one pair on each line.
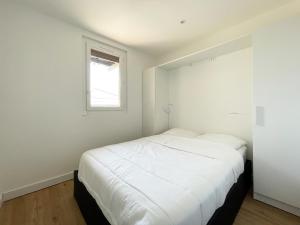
[226,139]
[181,133]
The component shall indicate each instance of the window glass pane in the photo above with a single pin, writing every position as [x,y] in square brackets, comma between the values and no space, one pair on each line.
[104,82]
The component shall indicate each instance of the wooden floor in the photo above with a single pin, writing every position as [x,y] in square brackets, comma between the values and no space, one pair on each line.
[56,206]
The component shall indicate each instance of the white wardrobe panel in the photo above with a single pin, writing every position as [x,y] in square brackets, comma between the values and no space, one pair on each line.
[277,105]
[148,101]
[162,100]
[155,101]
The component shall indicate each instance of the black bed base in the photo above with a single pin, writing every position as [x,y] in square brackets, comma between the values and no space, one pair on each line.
[224,215]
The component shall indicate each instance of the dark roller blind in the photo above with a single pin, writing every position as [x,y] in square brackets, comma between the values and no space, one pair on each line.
[103,55]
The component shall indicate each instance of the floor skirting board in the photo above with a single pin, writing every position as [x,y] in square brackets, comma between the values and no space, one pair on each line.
[277,204]
[26,189]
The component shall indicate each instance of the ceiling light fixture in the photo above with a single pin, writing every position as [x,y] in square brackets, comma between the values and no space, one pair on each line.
[182,21]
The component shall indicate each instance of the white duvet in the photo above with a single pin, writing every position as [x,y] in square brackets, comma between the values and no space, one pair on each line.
[160,180]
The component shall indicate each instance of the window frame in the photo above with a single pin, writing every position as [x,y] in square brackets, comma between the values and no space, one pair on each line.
[122,54]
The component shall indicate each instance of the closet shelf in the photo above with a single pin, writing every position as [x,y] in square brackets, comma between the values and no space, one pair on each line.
[212,52]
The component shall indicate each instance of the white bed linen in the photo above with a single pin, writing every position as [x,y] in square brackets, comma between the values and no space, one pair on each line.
[243,151]
[160,180]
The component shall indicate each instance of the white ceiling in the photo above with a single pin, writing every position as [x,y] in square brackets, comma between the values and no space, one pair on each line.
[153,25]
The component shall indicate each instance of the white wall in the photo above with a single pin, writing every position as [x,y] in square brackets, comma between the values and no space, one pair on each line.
[231,33]
[276,89]
[214,95]
[43,132]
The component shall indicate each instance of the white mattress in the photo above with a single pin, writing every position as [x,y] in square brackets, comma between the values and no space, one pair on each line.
[160,180]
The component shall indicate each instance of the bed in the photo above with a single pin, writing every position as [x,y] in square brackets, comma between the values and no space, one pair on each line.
[162,179]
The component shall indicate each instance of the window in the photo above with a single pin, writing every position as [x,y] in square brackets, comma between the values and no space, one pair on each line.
[106,77]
